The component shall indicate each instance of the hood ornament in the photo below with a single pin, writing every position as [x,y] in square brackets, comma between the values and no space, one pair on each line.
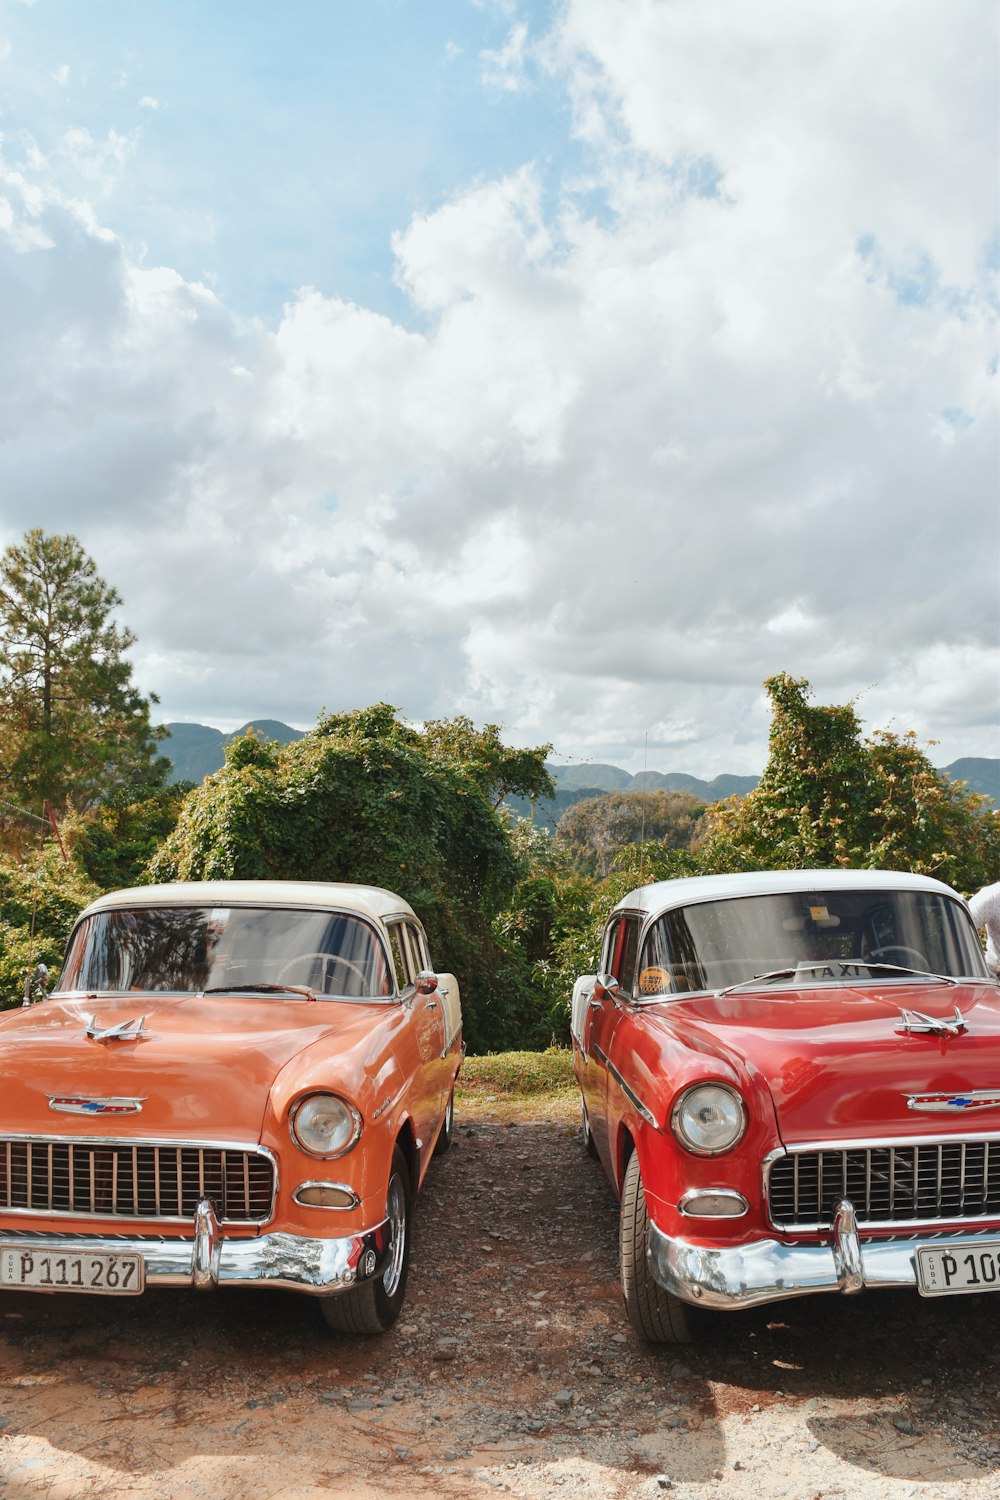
[945,1103]
[916,1021]
[125,1031]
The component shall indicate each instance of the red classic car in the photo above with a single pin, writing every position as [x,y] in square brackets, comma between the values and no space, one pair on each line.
[793,1082]
[234,1083]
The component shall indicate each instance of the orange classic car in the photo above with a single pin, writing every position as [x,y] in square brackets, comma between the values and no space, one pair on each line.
[792,1080]
[233,1083]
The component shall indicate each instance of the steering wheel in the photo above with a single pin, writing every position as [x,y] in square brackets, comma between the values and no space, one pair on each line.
[327,963]
[899,948]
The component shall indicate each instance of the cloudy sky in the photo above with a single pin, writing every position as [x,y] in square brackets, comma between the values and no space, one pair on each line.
[572,365]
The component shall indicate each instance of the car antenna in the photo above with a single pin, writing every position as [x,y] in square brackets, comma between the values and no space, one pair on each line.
[642,824]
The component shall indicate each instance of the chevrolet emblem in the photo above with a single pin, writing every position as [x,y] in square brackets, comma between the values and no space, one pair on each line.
[945,1103]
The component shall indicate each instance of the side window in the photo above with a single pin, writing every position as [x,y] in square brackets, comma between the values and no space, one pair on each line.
[608,947]
[628,949]
[399,958]
[620,949]
[418,948]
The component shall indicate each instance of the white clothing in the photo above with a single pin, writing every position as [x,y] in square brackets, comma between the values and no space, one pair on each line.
[985,909]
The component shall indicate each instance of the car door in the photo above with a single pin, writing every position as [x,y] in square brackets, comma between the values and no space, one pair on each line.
[434,1006]
[409,958]
[603,1016]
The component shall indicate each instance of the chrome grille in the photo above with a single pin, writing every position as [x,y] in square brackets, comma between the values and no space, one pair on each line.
[122,1180]
[952,1180]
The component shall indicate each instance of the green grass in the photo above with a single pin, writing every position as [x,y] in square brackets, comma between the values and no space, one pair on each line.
[518,1082]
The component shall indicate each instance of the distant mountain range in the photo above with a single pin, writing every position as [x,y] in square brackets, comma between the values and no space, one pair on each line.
[196,750]
[593,779]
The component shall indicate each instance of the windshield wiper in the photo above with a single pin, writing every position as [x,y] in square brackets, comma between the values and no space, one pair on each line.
[902,969]
[848,972]
[761,979]
[261,989]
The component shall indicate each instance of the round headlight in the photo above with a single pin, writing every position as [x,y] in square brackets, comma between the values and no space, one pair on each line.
[324,1125]
[708,1118]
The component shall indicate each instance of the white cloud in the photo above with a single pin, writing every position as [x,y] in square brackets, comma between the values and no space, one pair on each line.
[504,67]
[722,409]
[148,102]
[61,75]
[96,163]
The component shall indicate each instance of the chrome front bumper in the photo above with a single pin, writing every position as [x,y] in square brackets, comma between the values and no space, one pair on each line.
[288,1261]
[769,1271]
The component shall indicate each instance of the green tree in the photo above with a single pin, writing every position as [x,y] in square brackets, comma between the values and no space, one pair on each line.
[114,842]
[830,797]
[74,726]
[481,754]
[549,902]
[596,829]
[39,901]
[364,797]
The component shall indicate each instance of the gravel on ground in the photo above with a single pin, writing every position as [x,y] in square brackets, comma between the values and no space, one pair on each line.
[512,1371]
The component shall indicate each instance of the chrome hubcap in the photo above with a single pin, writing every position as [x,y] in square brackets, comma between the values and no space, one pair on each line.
[396,1214]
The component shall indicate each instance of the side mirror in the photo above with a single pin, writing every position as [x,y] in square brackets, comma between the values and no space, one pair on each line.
[426,982]
[606,987]
[35,985]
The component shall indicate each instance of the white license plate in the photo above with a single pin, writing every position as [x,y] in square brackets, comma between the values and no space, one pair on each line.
[106,1272]
[972,1268]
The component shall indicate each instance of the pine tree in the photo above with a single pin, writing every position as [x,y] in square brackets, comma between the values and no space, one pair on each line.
[74,729]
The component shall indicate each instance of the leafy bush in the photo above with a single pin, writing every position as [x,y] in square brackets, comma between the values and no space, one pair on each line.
[363,797]
[40,898]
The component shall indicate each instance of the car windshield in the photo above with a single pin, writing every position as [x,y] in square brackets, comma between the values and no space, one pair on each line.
[189,949]
[808,937]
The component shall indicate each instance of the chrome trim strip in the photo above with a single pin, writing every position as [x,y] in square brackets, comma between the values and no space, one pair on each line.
[766,1270]
[293,1262]
[164,1142]
[626,1088]
[873,1227]
[877,1143]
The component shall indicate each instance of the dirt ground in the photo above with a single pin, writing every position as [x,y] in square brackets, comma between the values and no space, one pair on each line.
[512,1371]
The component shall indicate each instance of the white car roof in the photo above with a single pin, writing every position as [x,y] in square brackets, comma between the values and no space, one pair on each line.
[367,900]
[666,895]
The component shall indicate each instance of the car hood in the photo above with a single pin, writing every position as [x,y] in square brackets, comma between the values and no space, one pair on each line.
[202,1068]
[838,1061]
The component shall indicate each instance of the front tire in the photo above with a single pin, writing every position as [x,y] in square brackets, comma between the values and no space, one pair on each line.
[375,1305]
[655,1314]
